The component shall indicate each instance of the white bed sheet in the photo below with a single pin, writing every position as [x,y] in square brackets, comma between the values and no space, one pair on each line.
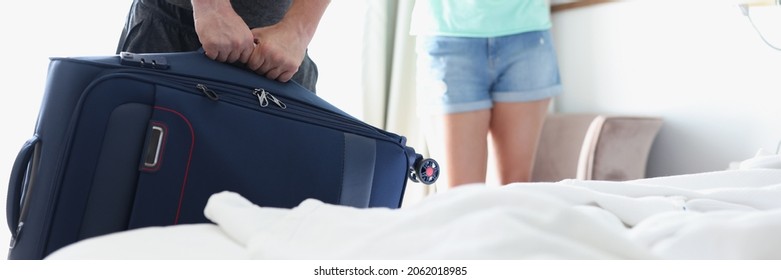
[734,214]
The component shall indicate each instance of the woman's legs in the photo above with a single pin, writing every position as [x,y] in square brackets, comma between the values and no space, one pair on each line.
[465,147]
[515,130]
[497,86]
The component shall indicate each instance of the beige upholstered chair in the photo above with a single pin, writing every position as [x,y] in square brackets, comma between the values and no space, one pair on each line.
[594,147]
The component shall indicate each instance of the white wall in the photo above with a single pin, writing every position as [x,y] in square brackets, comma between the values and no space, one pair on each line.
[696,63]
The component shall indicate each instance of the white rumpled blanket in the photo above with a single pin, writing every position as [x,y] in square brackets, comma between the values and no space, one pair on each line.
[732,214]
[720,215]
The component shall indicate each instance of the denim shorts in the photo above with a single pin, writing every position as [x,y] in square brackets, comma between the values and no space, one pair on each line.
[459,74]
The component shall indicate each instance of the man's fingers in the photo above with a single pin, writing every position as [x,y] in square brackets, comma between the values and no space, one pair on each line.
[266,67]
[223,57]
[233,56]
[278,74]
[216,55]
[245,55]
[255,61]
[286,76]
[273,73]
[211,54]
[271,63]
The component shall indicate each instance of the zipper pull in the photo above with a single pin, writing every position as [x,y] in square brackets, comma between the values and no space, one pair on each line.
[208,92]
[264,97]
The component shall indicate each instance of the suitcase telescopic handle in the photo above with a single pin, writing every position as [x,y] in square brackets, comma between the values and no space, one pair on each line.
[17,181]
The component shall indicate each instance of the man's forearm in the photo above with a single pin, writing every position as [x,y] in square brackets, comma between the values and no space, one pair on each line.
[305,15]
[201,6]
[222,32]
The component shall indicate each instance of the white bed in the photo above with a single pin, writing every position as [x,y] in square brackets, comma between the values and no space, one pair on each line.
[731,214]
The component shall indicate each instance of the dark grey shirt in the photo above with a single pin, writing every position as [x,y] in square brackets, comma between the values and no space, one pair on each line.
[256,13]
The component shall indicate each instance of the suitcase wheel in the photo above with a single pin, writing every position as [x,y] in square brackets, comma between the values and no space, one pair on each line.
[426,171]
[412,176]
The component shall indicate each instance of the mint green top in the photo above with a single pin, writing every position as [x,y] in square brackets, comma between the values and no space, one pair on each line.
[479,18]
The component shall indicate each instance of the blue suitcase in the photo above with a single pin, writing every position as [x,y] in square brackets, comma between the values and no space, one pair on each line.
[137,140]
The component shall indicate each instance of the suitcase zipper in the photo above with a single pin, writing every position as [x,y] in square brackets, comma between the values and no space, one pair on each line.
[261,98]
[244,96]
[264,97]
[208,92]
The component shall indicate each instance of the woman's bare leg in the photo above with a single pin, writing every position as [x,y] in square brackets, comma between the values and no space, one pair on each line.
[466,147]
[515,131]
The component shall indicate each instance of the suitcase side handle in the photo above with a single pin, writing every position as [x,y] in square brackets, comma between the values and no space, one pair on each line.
[19,176]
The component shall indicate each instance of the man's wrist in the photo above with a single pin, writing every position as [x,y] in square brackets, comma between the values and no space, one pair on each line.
[303,18]
[200,6]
